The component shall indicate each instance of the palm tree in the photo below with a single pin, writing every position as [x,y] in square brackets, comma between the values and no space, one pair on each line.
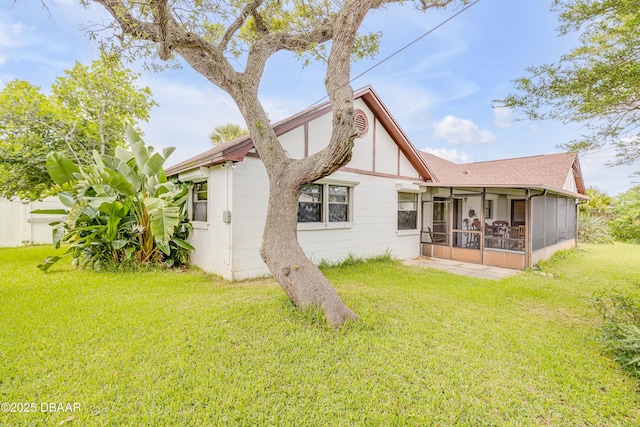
[226,133]
[599,203]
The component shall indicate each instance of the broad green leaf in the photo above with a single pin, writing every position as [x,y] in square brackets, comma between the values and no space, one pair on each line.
[50,212]
[137,147]
[183,244]
[153,166]
[67,199]
[60,168]
[166,152]
[58,234]
[97,202]
[163,219]
[119,244]
[48,262]
[164,247]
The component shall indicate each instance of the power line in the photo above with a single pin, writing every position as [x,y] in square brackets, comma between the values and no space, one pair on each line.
[464,9]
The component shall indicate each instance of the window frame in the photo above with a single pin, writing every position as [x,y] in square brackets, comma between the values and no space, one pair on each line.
[416,202]
[488,208]
[325,202]
[195,199]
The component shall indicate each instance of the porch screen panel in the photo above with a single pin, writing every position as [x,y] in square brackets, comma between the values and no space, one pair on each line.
[441,221]
[572,218]
[551,220]
[562,219]
[537,223]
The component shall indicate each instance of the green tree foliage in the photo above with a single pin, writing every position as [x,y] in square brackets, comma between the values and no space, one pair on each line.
[86,111]
[625,223]
[596,83]
[599,203]
[122,209]
[31,125]
[226,133]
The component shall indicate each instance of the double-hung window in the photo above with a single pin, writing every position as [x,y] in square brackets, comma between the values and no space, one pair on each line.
[199,197]
[324,203]
[407,211]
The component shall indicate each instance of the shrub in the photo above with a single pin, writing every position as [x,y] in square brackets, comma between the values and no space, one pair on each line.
[122,209]
[625,224]
[621,327]
[593,229]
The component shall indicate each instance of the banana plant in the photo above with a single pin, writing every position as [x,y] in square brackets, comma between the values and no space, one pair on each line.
[121,208]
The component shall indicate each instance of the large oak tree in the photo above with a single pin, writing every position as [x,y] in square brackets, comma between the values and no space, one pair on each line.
[212,36]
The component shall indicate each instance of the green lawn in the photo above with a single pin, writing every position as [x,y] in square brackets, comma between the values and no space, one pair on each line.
[188,349]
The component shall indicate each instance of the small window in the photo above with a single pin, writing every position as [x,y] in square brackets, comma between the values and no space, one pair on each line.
[200,195]
[488,209]
[407,211]
[310,203]
[338,203]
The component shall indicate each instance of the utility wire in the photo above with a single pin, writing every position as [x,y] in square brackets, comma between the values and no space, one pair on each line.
[464,9]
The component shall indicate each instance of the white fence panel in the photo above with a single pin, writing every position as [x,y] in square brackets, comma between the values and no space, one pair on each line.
[18,226]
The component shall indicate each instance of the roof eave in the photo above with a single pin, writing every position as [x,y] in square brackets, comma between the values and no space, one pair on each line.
[540,187]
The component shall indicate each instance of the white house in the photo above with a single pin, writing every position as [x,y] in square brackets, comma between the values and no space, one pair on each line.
[383,200]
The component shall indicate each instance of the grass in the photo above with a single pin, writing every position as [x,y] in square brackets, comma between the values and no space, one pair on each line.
[188,349]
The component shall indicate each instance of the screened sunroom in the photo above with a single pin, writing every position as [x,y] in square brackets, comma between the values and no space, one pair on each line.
[504,227]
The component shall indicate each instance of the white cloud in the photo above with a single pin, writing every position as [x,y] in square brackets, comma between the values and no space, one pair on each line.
[453,155]
[11,35]
[503,117]
[459,131]
[3,59]
[185,115]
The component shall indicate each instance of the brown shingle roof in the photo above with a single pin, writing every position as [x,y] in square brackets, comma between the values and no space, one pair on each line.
[549,170]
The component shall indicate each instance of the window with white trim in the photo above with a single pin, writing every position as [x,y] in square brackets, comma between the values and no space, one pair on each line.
[488,209]
[407,211]
[199,201]
[324,203]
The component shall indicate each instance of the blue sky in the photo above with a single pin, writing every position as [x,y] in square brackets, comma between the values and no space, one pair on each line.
[440,90]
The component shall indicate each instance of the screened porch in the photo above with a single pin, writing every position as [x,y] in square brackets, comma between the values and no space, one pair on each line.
[503,227]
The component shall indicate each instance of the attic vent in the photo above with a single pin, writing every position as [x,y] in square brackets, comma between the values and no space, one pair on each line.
[361,123]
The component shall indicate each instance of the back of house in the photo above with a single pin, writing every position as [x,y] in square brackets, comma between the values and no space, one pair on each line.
[388,198]
[367,208]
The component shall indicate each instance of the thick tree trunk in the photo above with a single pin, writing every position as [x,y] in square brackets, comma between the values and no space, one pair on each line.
[303,282]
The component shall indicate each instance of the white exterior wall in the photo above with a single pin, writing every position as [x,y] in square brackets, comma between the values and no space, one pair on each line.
[18,226]
[372,232]
[212,239]
[251,192]
[375,172]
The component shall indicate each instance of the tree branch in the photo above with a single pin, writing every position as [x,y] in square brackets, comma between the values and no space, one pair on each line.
[248,10]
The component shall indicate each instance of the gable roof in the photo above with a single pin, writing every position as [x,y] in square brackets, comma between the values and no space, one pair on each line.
[549,171]
[237,149]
